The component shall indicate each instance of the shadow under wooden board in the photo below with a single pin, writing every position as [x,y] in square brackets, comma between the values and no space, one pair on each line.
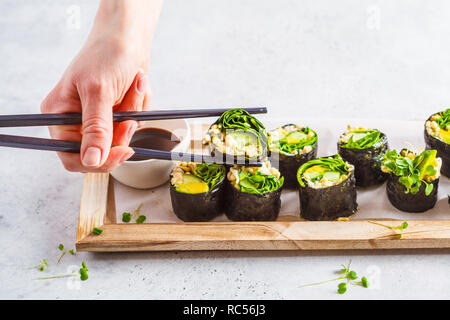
[98,209]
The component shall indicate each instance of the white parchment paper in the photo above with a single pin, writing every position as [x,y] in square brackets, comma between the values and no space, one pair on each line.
[373,202]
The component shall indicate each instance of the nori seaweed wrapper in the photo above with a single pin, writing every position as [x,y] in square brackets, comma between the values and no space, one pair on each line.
[443,151]
[242,206]
[289,164]
[367,162]
[329,203]
[409,202]
[253,126]
[198,207]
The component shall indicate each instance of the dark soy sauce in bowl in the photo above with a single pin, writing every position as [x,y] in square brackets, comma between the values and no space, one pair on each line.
[153,138]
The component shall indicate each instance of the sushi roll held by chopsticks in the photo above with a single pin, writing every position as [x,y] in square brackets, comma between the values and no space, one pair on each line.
[291,146]
[253,193]
[327,189]
[413,179]
[197,191]
[437,136]
[364,148]
[239,135]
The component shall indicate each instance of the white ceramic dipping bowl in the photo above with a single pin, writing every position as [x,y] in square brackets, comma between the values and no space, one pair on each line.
[146,174]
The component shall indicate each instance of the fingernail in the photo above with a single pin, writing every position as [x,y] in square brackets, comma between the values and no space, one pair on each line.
[141,84]
[132,130]
[92,157]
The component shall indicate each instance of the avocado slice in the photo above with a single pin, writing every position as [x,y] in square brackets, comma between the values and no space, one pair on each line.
[190,178]
[445,135]
[314,172]
[295,136]
[192,184]
[429,156]
[192,188]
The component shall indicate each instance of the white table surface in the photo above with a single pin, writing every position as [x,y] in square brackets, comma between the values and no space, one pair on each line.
[367,59]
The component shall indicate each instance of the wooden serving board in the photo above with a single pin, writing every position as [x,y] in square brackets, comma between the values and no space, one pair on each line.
[289,232]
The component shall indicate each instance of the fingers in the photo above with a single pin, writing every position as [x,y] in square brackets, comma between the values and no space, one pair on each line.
[71,162]
[98,132]
[95,101]
[133,101]
[117,155]
[134,98]
[148,98]
[123,132]
[146,105]
[97,128]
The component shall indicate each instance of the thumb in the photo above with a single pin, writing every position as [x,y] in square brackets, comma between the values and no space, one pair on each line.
[97,129]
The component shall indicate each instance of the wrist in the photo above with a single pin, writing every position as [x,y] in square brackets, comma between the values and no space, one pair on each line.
[130,23]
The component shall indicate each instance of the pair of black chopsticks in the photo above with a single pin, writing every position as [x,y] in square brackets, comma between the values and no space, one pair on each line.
[28,120]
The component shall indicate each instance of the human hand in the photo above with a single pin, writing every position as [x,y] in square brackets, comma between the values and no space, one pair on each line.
[106,76]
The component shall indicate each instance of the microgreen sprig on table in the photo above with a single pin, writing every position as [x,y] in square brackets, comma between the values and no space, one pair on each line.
[350,277]
[97,231]
[126,216]
[401,227]
[63,252]
[41,266]
[82,273]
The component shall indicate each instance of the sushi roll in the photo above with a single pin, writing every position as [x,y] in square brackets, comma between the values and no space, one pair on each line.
[413,179]
[437,137]
[291,146]
[237,135]
[327,189]
[253,193]
[365,149]
[197,191]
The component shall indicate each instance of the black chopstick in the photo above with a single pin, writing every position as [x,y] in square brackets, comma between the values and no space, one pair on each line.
[53,119]
[74,147]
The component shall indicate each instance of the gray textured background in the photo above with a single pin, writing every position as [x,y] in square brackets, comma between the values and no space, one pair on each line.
[387,59]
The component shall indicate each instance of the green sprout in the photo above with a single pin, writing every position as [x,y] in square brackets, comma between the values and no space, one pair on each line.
[63,252]
[400,228]
[41,266]
[350,277]
[141,219]
[364,282]
[342,288]
[126,216]
[82,274]
[97,231]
